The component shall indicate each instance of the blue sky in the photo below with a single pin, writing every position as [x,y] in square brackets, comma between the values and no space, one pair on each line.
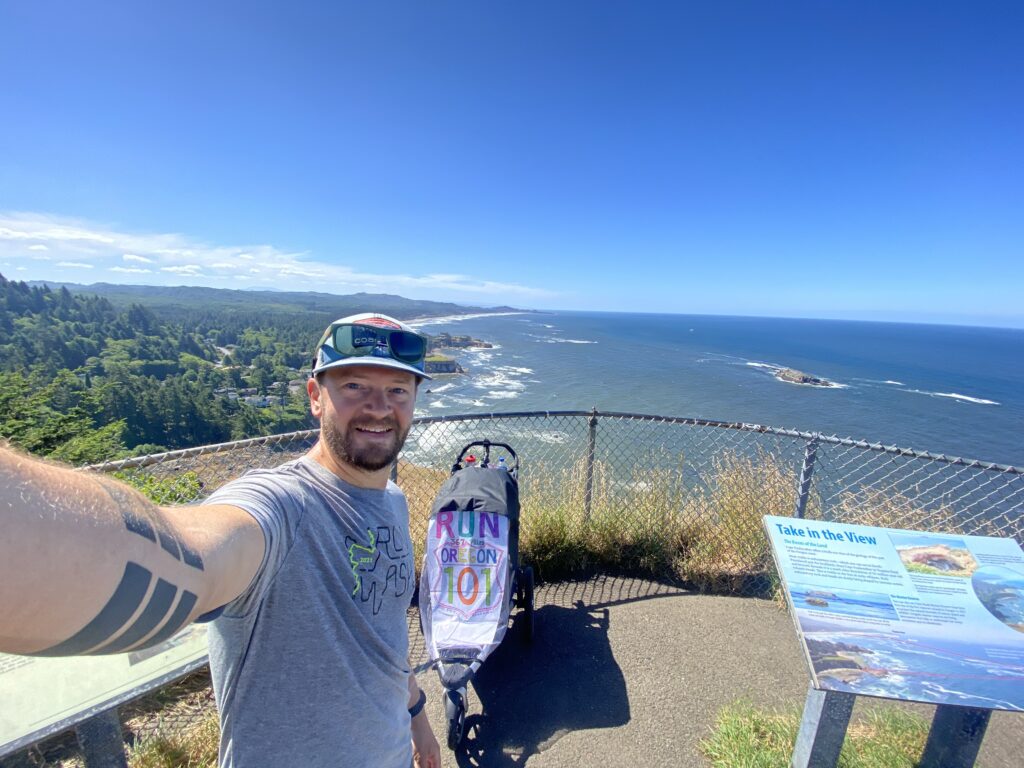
[853,160]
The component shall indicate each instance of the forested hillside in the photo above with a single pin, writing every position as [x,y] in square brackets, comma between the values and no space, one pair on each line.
[85,379]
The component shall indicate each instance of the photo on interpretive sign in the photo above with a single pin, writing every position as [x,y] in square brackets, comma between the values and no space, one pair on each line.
[948,632]
[1001,591]
[936,555]
[847,602]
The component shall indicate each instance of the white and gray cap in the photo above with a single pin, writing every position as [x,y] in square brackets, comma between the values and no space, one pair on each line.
[378,348]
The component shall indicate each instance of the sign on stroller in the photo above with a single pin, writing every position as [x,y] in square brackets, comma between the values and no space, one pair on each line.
[471,575]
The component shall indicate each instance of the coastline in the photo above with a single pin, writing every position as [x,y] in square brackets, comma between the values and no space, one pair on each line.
[420,322]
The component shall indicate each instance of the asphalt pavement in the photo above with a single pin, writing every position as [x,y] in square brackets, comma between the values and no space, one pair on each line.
[627,672]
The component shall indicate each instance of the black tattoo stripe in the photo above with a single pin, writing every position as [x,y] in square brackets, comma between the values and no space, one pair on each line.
[169,543]
[159,604]
[138,524]
[112,618]
[178,619]
[191,557]
[138,520]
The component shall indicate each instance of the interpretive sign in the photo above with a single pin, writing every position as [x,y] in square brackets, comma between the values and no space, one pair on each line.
[917,616]
[42,696]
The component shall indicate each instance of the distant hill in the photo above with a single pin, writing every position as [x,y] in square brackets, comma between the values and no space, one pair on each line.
[173,302]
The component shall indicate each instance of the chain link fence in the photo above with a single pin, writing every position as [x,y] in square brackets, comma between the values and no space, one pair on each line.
[671,498]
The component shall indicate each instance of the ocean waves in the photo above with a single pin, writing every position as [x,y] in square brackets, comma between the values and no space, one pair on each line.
[928,393]
[953,396]
[559,340]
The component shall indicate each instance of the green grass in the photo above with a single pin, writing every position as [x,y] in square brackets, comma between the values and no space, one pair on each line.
[748,737]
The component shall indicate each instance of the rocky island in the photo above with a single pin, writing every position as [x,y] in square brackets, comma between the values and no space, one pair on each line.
[436,363]
[793,376]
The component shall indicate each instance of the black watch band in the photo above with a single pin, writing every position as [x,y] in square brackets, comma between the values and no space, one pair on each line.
[416,708]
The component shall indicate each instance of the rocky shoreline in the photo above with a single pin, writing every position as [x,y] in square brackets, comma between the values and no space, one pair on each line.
[439,363]
[844,662]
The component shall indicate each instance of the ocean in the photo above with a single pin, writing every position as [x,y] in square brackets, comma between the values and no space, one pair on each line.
[945,389]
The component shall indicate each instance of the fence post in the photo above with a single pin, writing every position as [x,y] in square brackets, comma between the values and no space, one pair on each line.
[101,741]
[588,490]
[806,471]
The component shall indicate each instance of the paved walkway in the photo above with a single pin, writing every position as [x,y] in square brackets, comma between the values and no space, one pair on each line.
[631,673]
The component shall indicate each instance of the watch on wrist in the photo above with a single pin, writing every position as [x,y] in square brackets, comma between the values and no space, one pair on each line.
[416,708]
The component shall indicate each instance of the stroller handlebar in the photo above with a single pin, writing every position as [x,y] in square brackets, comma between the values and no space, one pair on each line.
[487,445]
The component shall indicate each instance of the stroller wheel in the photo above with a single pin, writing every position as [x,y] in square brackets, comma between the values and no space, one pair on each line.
[455,710]
[526,602]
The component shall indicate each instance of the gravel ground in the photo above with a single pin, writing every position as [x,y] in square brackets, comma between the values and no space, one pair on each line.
[622,672]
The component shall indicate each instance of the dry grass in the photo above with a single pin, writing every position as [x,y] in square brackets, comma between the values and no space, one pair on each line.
[725,542]
[889,508]
[192,747]
[642,520]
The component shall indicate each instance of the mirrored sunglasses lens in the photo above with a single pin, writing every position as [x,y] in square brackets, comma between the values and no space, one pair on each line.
[408,347]
[356,339]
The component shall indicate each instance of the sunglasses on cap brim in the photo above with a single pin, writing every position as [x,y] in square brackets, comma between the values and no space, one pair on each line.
[355,340]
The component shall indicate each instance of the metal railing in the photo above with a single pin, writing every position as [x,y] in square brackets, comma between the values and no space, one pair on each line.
[678,498]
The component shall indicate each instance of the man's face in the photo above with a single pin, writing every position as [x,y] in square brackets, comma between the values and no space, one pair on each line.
[365,412]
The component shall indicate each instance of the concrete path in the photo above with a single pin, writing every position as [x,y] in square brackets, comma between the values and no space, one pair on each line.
[627,672]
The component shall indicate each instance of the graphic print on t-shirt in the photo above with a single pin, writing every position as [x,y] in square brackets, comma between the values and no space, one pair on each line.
[375,575]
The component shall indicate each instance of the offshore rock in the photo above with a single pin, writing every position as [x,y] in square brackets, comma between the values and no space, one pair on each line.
[441,364]
[794,376]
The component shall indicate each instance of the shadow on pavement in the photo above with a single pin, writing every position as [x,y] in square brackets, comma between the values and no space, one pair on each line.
[531,694]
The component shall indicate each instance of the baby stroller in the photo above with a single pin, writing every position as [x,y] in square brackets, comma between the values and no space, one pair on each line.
[471,576]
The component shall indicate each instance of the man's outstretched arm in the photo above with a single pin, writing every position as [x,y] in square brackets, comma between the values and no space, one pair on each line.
[89,565]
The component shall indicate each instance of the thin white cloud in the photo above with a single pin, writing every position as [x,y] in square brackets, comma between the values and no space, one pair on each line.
[135,270]
[38,247]
[294,271]
[176,256]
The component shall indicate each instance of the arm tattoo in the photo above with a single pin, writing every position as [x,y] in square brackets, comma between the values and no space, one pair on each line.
[101,634]
[163,613]
[138,519]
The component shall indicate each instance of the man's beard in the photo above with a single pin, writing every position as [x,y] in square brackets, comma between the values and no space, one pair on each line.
[371,457]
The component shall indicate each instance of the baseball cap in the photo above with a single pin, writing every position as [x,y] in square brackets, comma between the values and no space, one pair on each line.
[370,338]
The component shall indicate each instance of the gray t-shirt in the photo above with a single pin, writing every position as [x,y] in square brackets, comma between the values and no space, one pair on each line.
[310,664]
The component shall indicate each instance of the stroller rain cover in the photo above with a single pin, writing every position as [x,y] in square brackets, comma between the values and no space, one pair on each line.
[470,558]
